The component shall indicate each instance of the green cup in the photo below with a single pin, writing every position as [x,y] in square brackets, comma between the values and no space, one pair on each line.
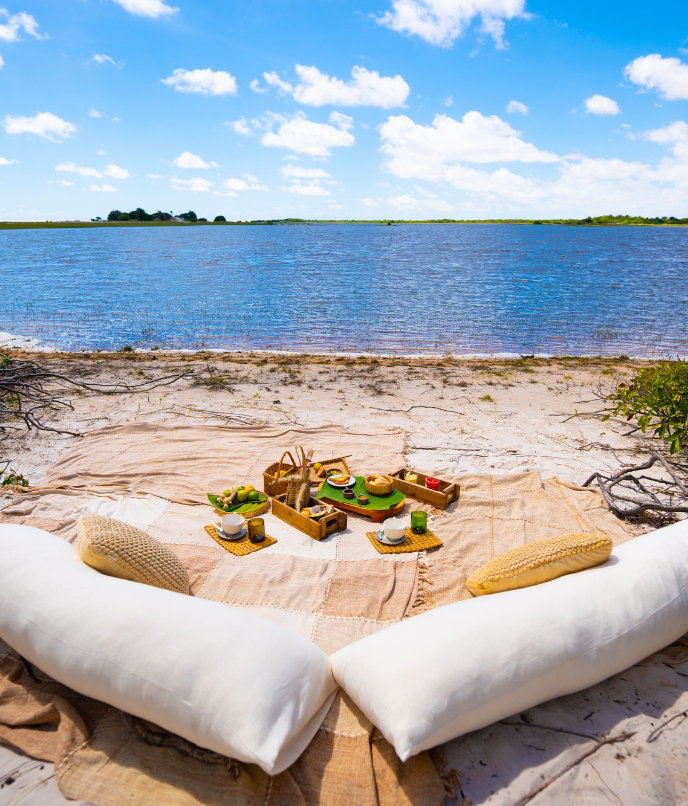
[419,522]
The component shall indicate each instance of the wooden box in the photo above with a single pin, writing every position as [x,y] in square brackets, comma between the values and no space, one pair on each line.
[317,529]
[440,499]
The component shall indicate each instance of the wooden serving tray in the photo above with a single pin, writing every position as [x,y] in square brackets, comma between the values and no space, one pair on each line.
[376,515]
[440,499]
[381,508]
[317,529]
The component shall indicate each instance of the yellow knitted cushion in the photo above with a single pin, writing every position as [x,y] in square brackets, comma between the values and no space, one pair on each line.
[119,550]
[539,562]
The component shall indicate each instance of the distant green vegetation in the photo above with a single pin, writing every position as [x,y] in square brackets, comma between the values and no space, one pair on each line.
[139,217]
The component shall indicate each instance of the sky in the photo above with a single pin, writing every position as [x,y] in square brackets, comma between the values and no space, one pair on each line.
[366,109]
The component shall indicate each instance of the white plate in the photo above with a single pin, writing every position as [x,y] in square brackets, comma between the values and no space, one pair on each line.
[343,486]
[382,537]
[226,536]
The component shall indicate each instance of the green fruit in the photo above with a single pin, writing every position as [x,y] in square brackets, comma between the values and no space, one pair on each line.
[241,496]
[253,496]
[239,489]
[227,492]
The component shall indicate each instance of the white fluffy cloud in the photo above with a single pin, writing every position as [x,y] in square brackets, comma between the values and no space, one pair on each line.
[247,183]
[101,58]
[155,176]
[103,188]
[65,183]
[308,190]
[440,22]
[297,171]
[116,172]
[5,161]
[272,80]
[147,8]
[370,202]
[307,137]
[668,76]
[73,168]
[239,126]
[601,105]
[366,88]
[206,81]
[15,23]
[197,184]
[94,113]
[516,108]
[42,124]
[111,170]
[188,160]
[413,149]
[580,185]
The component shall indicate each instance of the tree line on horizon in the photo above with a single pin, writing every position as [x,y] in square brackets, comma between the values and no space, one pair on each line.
[141,215]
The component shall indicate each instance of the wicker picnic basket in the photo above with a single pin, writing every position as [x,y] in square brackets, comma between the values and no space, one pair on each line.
[275,481]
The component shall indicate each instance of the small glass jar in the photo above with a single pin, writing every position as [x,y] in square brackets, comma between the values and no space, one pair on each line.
[256,530]
[432,484]
[412,478]
[419,522]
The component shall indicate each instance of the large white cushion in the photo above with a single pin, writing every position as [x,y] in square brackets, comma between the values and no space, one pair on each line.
[466,665]
[216,675]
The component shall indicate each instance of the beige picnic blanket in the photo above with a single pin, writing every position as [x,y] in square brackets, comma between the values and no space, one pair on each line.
[333,592]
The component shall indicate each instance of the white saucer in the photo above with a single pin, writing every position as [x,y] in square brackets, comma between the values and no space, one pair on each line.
[226,536]
[382,537]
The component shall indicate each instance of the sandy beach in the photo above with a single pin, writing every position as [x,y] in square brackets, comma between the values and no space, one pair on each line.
[457,415]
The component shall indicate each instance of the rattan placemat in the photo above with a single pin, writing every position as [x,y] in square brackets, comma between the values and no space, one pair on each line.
[239,547]
[412,543]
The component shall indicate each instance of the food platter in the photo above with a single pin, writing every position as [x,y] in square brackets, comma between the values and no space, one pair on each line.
[248,509]
[349,483]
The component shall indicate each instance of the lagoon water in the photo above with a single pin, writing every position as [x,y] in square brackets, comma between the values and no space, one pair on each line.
[412,288]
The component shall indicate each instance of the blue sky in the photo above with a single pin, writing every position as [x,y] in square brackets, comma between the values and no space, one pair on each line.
[343,109]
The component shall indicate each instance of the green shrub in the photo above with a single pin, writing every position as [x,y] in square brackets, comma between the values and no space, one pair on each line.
[219,218]
[657,397]
[123,217]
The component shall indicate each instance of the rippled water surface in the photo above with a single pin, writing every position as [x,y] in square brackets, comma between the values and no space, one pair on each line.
[406,288]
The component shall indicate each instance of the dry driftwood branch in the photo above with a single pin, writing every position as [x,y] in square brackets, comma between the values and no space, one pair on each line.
[30,392]
[629,492]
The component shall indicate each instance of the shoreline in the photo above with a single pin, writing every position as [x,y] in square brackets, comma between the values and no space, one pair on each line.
[28,344]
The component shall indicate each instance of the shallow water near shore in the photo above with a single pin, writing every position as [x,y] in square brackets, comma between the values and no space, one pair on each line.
[412,288]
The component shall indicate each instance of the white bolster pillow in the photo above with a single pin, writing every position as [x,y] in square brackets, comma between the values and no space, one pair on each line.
[461,667]
[218,676]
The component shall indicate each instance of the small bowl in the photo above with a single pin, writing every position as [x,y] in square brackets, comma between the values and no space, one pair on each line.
[363,500]
[232,523]
[348,493]
[394,528]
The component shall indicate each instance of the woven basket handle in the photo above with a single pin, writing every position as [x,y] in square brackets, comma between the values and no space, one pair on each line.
[279,468]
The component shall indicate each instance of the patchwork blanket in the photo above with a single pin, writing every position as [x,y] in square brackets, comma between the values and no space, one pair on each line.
[333,592]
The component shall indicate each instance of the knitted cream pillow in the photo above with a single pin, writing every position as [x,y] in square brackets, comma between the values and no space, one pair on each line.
[540,561]
[120,550]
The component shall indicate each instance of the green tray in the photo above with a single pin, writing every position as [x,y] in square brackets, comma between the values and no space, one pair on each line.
[247,506]
[376,501]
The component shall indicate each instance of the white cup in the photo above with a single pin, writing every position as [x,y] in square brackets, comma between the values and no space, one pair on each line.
[394,528]
[232,523]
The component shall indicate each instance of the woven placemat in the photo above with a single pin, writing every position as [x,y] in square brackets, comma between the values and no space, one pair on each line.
[412,543]
[239,547]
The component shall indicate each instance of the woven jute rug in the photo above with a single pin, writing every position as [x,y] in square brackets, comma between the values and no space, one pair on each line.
[333,592]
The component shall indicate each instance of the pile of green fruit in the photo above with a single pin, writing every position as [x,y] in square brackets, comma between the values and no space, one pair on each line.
[238,495]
